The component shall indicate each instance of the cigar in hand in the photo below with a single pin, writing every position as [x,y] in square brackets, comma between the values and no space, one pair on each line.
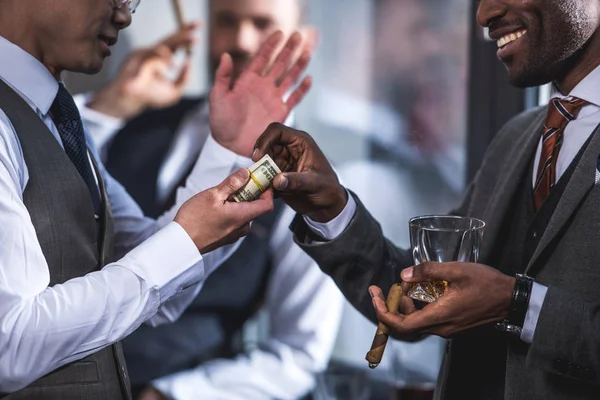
[383,332]
[180,21]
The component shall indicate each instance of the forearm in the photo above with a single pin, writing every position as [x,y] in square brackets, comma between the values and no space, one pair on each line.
[45,328]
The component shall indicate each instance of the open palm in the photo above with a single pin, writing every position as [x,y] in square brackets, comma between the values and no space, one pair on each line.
[239,113]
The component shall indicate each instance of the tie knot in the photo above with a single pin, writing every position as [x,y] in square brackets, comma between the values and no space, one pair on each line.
[63,108]
[563,111]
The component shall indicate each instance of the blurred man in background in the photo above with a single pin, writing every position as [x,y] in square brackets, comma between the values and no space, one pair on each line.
[151,152]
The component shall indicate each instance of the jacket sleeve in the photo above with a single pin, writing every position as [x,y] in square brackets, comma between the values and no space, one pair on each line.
[360,257]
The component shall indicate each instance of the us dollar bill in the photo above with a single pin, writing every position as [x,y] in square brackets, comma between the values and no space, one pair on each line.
[262,174]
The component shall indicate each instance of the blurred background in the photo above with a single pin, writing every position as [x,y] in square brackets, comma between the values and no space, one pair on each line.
[407,95]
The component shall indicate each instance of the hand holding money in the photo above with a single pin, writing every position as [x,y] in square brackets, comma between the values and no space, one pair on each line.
[262,174]
[308,183]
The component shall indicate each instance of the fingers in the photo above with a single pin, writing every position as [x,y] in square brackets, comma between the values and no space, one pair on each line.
[233,183]
[223,76]
[265,54]
[283,60]
[237,234]
[249,211]
[144,57]
[275,135]
[184,75]
[293,75]
[431,271]
[183,38]
[378,299]
[296,182]
[298,94]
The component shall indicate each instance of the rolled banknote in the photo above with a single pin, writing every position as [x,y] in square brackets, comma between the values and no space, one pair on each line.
[262,174]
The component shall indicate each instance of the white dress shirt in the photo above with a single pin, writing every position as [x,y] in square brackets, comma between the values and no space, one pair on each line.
[575,135]
[302,304]
[43,328]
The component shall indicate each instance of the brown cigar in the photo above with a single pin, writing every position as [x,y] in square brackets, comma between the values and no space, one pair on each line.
[383,332]
[180,21]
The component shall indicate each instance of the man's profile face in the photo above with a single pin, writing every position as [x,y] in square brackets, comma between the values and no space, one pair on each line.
[239,27]
[76,35]
[539,40]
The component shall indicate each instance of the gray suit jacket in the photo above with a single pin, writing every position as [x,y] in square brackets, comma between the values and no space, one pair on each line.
[563,362]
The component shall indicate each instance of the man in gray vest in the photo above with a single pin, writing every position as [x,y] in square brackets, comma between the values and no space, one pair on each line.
[64,303]
[524,322]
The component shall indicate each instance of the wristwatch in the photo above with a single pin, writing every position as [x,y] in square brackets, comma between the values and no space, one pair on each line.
[519,305]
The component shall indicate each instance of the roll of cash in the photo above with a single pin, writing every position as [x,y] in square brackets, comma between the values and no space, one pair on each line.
[262,174]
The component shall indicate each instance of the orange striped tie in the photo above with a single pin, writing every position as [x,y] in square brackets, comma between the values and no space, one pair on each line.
[560,113]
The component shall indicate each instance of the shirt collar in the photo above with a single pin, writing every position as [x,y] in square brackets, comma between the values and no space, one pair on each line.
[28,76]
[586,90]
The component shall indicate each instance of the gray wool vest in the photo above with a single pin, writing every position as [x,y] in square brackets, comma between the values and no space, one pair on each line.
[61,210]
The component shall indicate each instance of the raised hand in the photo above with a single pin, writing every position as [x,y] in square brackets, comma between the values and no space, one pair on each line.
[308,183]
[212,221]
[142,82]
[241,110]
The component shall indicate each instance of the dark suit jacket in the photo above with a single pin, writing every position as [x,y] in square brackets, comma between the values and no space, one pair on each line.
[563,362]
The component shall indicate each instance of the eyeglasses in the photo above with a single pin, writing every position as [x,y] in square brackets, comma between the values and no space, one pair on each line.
[131,4]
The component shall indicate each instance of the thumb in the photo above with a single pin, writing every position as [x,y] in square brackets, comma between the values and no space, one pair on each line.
[234,182]
[223,75]
[430,271]
[295,182]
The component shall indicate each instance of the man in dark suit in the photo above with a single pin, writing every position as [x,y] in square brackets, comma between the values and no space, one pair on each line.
[152,155]
[524,323]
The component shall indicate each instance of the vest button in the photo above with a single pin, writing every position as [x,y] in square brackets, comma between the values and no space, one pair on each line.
[535,235]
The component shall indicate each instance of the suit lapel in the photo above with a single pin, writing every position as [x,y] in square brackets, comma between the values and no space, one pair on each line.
[516,163]
[578,187]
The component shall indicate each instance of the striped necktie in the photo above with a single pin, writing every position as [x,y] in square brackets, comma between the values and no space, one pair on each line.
[560,113]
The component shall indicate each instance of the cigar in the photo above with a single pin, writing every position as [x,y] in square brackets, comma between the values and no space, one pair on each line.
[180,21]
[383,332]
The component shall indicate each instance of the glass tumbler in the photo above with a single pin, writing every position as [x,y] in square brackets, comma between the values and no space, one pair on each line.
[442,239]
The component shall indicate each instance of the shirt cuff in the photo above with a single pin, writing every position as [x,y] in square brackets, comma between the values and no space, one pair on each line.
[214,163]
[334,228]
[538,294]
[169,261]
[102,127]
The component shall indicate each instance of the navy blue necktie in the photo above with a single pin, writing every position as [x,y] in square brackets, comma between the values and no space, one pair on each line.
[66,117]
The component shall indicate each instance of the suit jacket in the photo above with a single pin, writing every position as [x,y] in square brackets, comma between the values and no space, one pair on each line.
[563,361]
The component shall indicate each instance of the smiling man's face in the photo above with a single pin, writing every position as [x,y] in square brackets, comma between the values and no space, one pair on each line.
[539,40]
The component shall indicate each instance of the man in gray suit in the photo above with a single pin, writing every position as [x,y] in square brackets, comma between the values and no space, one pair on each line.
[524,323]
